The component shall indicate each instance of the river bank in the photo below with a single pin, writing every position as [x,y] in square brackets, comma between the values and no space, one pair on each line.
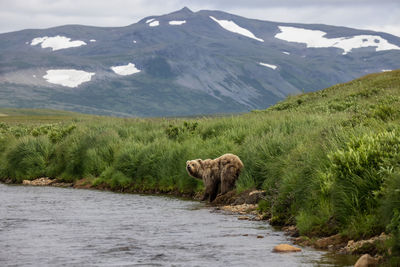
[244,206]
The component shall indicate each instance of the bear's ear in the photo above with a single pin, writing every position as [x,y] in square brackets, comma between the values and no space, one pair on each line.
[199,161]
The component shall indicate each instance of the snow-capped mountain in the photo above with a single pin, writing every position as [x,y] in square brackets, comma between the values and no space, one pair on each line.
[183,63]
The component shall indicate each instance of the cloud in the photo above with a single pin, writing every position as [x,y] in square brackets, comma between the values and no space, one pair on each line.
[292,3]
[363,17]
[364,14]
[381,15]
[19,14]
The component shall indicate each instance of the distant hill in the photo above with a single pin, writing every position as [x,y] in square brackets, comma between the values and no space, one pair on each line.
[183,63]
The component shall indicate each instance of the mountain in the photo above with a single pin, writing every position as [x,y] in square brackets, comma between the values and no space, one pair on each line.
[183,63]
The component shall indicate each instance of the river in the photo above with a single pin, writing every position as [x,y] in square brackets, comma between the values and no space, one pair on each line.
[48,226]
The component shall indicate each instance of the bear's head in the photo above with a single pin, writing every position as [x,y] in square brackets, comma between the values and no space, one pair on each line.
[193,167]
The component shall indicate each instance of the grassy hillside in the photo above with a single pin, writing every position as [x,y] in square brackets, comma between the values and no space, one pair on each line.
[329,160]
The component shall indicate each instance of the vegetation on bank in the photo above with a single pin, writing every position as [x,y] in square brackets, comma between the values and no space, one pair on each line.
[329,160]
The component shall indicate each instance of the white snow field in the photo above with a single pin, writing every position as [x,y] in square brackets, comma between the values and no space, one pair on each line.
[125,69]
[177,22]
[68,77]
[154,23]
[56,42]
[316,39]
[268,65]
[231,26]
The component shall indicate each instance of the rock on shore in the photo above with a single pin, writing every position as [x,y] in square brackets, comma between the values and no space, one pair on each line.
[364,246]
[366,260]
[46,181]
[285,248]
[245,197]
[39,182]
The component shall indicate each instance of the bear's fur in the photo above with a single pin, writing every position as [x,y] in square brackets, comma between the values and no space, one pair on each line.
[219,175]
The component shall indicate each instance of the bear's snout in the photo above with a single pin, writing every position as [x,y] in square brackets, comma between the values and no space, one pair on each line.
[189,168]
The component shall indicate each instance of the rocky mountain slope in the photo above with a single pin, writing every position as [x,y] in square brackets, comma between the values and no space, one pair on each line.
[183,63]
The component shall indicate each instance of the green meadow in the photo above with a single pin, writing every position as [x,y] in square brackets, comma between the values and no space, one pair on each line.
[328,160]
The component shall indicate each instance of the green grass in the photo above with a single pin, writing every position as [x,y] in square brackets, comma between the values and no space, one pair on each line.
[329,160]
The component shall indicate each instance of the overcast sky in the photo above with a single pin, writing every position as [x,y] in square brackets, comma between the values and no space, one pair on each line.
[379,15]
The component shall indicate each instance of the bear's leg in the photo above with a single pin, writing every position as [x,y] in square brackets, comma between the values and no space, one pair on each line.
[214,191]
[228,177]
[208,185]
[226,186]
[205,196]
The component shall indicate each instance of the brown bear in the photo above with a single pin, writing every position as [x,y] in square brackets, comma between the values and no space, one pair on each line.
[219,175]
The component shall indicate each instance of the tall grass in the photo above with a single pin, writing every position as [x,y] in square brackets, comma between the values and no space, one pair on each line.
[28,158]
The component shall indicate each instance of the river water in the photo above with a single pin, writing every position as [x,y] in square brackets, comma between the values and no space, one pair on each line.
[47,226]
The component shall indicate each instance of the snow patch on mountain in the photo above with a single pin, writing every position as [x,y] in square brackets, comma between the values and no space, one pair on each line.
[286,53]
[177,22]
[68,77]
[231,26]
[316,39]
[125,69]
[56,42]
[92,40]
[274,67]
[154,23]
[38,40]
[149,20]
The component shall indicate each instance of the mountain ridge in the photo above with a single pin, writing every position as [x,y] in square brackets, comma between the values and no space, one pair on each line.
[182,63]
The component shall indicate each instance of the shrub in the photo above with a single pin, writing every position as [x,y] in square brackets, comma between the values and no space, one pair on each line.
[127,159]
[56,134]
[87,152]
[28,158]
[384,112]
[357,172]
[394,228]
[318,220]
[389,209]
[119,182]
[175,132]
